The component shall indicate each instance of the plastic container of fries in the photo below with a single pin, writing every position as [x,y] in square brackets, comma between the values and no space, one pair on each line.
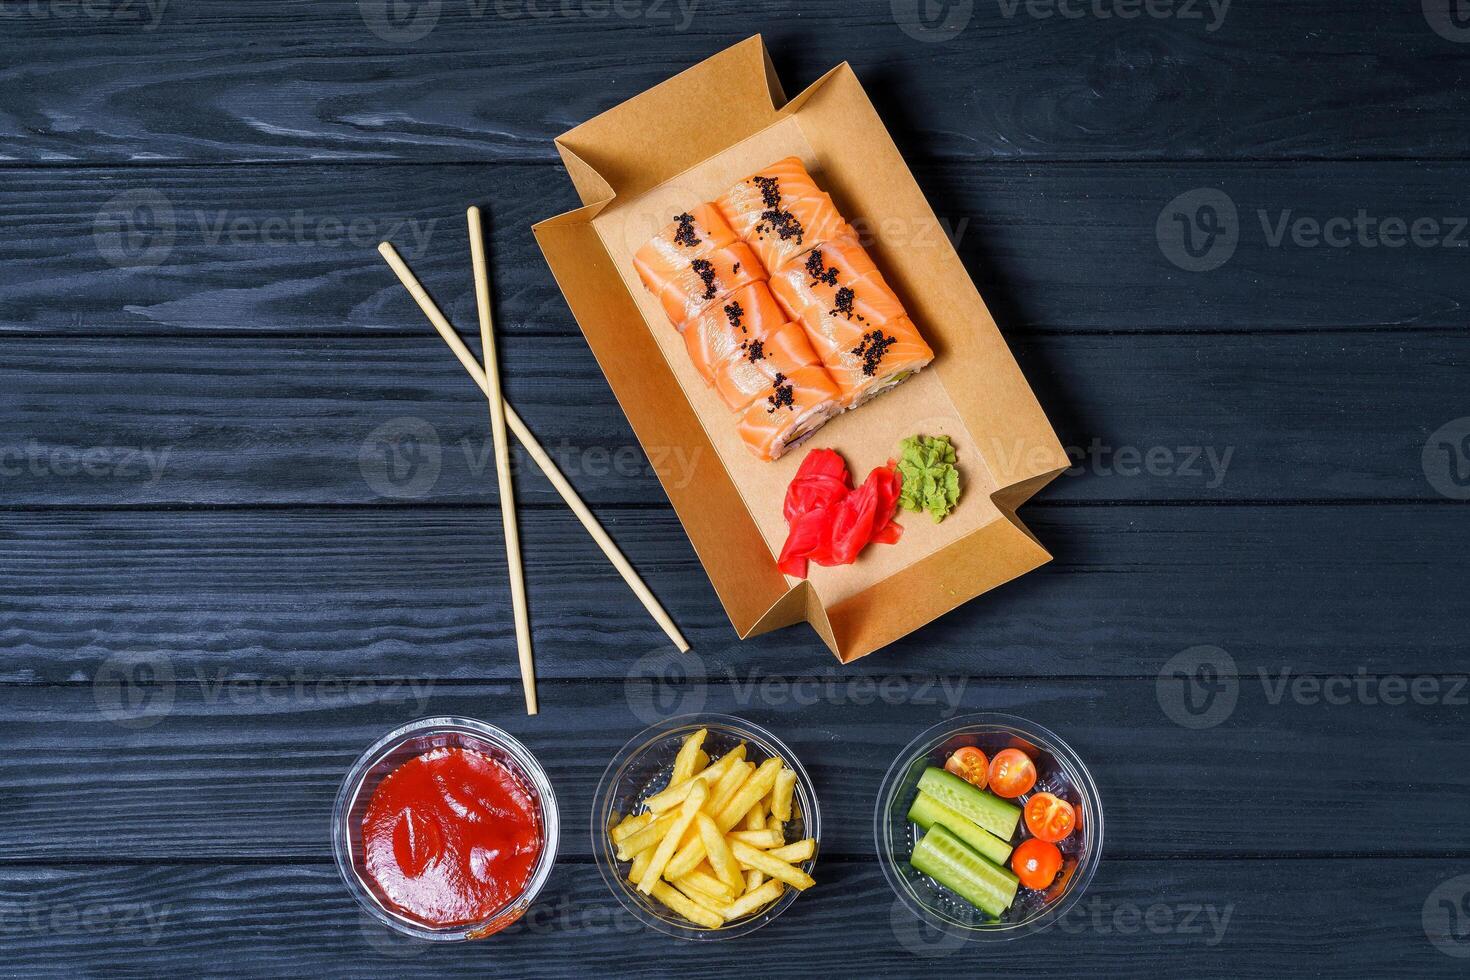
[644,767]
[411,741]
[1060,771]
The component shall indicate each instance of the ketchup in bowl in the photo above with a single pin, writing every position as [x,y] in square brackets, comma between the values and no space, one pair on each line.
[451,836]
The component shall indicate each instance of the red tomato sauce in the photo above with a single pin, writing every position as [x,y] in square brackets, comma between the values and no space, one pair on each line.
[450,836]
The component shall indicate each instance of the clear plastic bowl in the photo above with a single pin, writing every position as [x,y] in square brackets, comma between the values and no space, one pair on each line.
[642,767]
[1060,772]
[392,751]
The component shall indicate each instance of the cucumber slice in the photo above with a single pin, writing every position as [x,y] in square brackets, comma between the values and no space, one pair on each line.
[980,808]
[945,858]
[927,811]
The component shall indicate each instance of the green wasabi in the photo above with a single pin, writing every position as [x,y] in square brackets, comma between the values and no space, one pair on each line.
[930,481]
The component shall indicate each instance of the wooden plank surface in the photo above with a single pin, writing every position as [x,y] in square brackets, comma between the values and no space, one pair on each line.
[250,423]
[387,593]
[312,79]
[143,767]
[1201,918]
[1051,246]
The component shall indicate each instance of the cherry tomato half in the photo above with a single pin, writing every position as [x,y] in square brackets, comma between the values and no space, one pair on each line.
[1036,863]
[1011,773]
[1049,818]
[970,764]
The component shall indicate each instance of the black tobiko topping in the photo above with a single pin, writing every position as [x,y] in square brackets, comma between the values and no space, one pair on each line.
[735,313]
[817,269]
[685,234]
[845,298]
[785,394]
[872,349]
[755,350]
[706,273]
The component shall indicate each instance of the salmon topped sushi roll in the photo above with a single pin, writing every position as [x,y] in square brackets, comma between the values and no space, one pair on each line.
[690,235]
[782,213]
[718,334]
[793,407]
[749,374]
[880,358]
[697,284]
[816,284]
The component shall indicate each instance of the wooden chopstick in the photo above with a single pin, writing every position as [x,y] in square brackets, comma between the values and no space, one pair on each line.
[533,448]
[502,460]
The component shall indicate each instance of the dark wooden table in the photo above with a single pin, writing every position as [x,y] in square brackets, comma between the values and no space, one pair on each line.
[1229,248]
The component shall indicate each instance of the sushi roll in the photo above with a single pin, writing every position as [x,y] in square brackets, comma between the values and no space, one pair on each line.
[794,406]
[750,373]
[691,235]
[782,213]
[689,288]
[855,323]
[720,333]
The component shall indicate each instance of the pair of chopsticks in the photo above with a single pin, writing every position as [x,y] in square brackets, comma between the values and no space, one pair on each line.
[502,416]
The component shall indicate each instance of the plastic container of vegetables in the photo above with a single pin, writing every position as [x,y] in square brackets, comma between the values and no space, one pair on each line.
[1059,772]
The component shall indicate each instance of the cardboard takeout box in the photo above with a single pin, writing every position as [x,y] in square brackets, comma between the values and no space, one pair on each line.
[682,144]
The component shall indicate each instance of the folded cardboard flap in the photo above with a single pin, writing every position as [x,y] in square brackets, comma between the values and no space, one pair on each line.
[716,122]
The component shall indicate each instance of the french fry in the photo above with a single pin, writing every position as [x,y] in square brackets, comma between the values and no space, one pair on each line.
[648,837]
[701,761]
[753,901]
[764,839]
[705,881]
[675,793]
[718,853]
[753,880]
[756,787]
[689,909]
[630,826]
[802,850]
[779,826]
[781,794]
[688,755]
[756,818]
[640,865]
[715,905]
[688,810]
[729,785]
[750,858]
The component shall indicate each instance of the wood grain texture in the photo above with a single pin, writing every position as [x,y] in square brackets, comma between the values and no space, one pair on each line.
[390,593]
[1204,918]
[254,422]
[189,769]
[1051,246]
[494,81]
